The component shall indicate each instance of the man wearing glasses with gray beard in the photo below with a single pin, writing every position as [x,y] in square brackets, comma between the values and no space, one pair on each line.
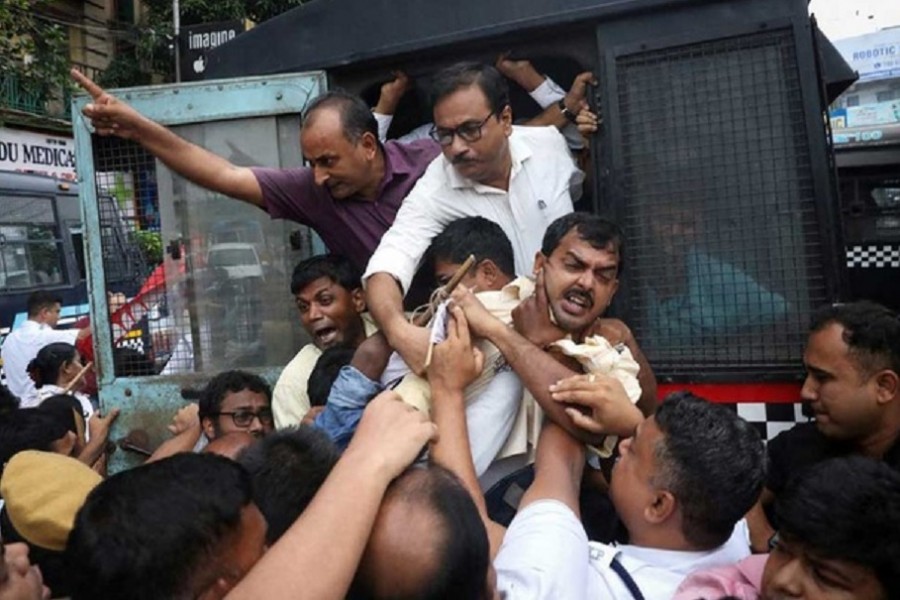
[522,178]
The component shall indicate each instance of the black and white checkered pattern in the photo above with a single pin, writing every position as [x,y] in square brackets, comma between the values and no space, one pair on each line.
[770,418]
[866,257]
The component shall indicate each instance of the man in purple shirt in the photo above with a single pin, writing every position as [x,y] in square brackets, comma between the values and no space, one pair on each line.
[349,195]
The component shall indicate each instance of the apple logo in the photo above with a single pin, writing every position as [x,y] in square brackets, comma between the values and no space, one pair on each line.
[200,64]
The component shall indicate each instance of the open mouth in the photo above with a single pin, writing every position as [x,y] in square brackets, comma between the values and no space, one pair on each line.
[575,302]
[326,336]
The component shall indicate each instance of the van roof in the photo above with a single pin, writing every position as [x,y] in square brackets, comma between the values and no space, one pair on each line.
[303,39]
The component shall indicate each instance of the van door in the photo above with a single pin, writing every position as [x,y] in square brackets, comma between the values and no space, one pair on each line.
[196,319]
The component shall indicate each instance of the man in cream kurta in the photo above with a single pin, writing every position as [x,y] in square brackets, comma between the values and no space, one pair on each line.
[290,401]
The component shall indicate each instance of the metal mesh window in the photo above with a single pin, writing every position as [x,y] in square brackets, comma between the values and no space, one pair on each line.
[724,258]
[129,211]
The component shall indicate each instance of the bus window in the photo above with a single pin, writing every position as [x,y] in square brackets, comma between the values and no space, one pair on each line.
[78,247]
[29,244]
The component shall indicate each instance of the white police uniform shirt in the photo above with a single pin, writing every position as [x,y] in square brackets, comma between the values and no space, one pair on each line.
[546,555]
[20,347]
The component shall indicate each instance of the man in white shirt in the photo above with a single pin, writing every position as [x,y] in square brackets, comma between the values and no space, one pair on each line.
[22,344]
[520,178]
[681,486]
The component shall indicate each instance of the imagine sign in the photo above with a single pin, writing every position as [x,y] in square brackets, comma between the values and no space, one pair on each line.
[197,40]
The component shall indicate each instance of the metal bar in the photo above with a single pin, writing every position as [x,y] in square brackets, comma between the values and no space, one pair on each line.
[93,252]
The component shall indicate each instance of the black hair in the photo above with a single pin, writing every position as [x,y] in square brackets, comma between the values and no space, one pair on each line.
[335,267]
[463,557]
[228,382]
[324,374]
[65,408]
[597,231]
[9,402]
[463,74]
[847,509]
[153,532]
[712,461]
[474,235]
[356,117]
[287,468]
[44,368]
[28,429]
[871,330]
[41,299]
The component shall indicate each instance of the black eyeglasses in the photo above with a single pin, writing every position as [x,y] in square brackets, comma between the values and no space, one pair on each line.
[470,131]
[243,418]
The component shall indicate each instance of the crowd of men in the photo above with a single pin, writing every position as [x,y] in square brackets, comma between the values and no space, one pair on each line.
[511,446]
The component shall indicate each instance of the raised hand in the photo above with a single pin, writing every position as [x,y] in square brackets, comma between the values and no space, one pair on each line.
[587,122]
[187,418]
[108,114]
[478,319]
[456,362]
[576,99]
[608,408]
[99,425]
[392,92]
[521,71]
[391,433]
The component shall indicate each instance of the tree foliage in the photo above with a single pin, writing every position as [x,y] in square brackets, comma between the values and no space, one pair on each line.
[33,50]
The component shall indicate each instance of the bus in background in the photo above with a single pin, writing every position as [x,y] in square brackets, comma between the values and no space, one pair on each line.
[42,247]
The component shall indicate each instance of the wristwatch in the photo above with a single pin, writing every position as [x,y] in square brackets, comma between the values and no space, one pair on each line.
[564,110]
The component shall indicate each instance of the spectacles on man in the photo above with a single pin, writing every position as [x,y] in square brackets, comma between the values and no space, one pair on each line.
[243,418]
[470,131]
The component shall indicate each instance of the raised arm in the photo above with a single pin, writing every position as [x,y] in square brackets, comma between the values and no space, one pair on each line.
[385,301]
[391,269]
[318,556]
[185,430]
[111,116]
[558,467]
[455,364]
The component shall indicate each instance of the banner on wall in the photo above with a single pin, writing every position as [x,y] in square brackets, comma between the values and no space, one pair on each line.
[874,56]
[33,152]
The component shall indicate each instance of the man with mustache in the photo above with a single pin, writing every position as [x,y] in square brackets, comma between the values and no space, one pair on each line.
[520,178]
[576,277]
[852,383]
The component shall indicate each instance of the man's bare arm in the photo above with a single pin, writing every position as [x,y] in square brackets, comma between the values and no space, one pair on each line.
[455,364]
[558,467]
[385,301]
[615,331]
[761,531]
[537,369]
[318,556]
[185,430]
[111,116]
